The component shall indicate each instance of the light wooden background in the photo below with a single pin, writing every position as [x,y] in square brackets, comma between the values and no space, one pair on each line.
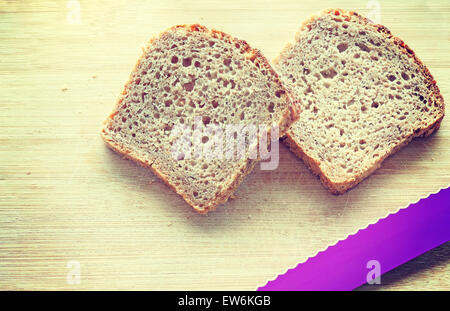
[64,196]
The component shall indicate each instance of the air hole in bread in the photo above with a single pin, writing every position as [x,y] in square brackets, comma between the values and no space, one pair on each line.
[329,73]
[342,47]
[391,78]
[187,61]
[363,47]
[278,93]
[189,86]
[206,120]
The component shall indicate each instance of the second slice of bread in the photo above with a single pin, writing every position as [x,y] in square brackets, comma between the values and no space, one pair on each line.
[363,93]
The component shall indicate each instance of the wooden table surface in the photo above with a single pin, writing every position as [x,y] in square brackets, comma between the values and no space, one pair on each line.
[67,199]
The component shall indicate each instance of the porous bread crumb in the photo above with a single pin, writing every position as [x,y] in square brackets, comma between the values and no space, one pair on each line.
[191,71]
[363,94]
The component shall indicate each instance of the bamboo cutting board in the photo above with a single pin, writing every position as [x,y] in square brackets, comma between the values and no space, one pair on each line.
[67,203]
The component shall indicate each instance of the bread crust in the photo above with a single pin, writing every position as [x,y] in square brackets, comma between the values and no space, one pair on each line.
[289,115]
[426,130]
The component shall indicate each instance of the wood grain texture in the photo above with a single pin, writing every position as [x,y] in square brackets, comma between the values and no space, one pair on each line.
[65,196]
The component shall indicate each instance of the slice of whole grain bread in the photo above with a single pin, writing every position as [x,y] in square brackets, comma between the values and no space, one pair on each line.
[190,73]
[363,94]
